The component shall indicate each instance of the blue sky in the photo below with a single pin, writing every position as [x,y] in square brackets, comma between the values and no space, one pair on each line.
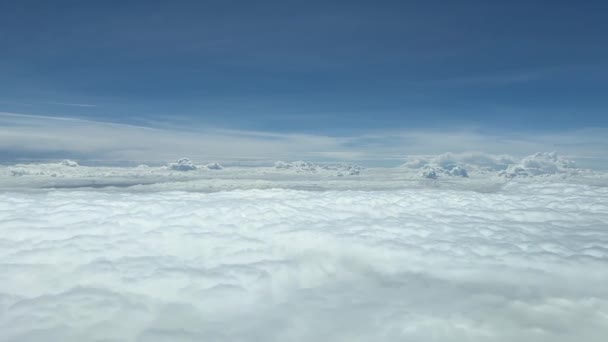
[327,68]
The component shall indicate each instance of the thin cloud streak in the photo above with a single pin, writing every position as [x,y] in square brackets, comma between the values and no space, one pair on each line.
[72,104]
[27,135]
[37,103]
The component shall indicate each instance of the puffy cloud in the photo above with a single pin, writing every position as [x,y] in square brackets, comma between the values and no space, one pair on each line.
[420,264]
[546,163]
[214,166]
[452,164]
[182,164]
[459,170]
[300,166]
[69,163]
[350,170]
[430,174]
[309,167]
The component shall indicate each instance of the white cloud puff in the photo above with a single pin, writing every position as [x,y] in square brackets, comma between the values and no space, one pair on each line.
[69,163]
[453,164]
[182,164]
[526,263]
[339,169]
[300,166]
[214,166]
[546,163]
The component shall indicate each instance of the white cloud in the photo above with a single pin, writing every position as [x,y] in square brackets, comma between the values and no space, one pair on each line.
[72,104]
[546,163]
[526,263]
[214,166]
[182,164]
[69,163]
[29,136]
[454,164]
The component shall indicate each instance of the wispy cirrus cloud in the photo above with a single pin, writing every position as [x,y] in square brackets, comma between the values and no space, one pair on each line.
[72,104]
[25,135]
[38,103]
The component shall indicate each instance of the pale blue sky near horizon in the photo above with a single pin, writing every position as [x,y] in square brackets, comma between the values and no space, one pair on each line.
[328,67]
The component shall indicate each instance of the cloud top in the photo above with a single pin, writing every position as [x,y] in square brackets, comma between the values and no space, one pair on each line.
[182,164]
[278,264]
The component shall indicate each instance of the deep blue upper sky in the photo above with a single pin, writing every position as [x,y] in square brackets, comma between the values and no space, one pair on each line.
[302,66]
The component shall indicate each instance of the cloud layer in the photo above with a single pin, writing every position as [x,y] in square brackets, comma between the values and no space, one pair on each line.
[529,263]
[28,136]
[466,171]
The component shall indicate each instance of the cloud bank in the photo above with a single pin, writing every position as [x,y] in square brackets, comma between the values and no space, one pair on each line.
[526,263]
[459,165]
[467,171]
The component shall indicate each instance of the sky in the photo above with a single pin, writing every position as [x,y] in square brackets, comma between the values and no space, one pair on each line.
[330,69]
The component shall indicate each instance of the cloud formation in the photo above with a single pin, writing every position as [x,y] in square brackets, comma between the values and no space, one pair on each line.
[467,171]
[459,165]
[28,136]
[528,263]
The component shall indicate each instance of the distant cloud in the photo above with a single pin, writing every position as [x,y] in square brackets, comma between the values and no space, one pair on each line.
[25,136]
[72,104]
[37,103]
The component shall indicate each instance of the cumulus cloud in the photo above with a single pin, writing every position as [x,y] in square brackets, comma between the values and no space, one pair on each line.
[546,163]
[430,174]
[479,160]
[69,163]
[448,170]
[300,166]
[339,169]
[453,164]
[182,164]
[185,164]
[527,263]
[214,166]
